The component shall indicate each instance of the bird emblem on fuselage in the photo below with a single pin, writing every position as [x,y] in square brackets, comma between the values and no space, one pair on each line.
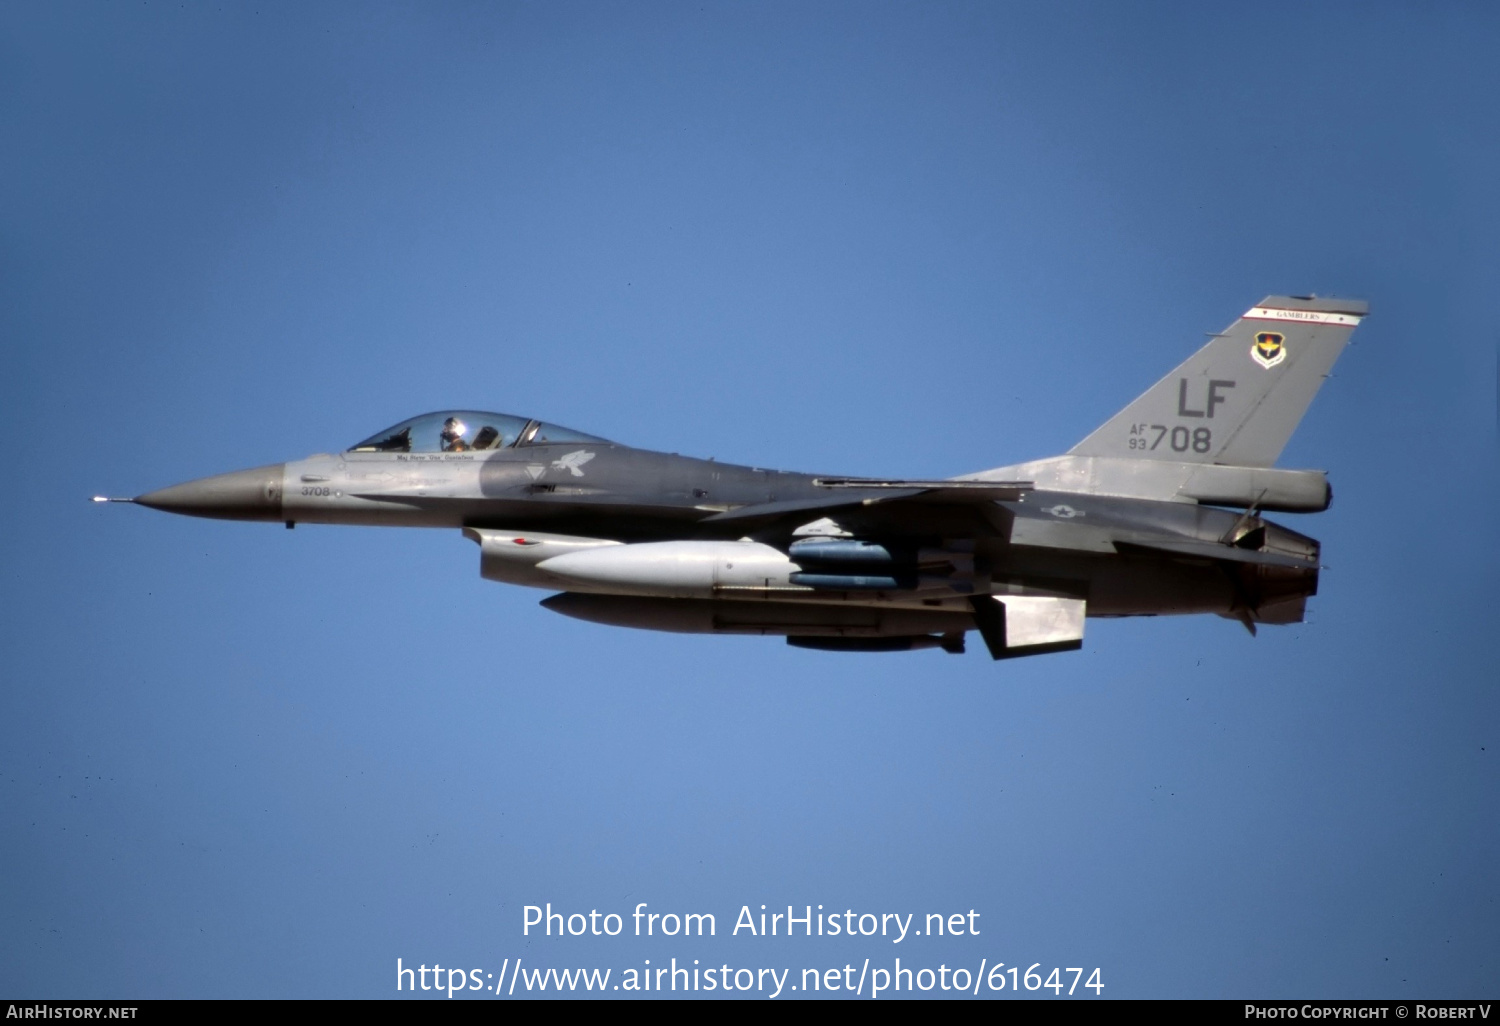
[572,462]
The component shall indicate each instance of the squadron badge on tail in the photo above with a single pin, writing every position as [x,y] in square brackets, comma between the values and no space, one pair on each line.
[1269,348]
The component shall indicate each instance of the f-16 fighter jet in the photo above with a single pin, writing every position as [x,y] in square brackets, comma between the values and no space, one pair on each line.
[1158,511]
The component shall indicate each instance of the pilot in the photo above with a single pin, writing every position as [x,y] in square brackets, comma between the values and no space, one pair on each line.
[453,435]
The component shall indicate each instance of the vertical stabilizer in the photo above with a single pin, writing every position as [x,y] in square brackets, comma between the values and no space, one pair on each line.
[1238,399]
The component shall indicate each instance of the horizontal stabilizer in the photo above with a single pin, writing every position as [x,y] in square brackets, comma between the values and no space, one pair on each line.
[1214,550]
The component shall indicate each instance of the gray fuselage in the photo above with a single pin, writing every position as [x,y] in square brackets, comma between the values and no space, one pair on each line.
[1097,548]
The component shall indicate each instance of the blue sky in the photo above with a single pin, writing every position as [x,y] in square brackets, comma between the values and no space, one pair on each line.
[897,239]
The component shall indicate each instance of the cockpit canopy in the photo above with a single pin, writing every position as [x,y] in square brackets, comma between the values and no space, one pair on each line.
[467,431]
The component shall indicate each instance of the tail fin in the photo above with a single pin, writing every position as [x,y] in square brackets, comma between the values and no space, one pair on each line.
[1238,399]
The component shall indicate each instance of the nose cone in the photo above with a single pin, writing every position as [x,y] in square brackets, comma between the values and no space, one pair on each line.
[242,495]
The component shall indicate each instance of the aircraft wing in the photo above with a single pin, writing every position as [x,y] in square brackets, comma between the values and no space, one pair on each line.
[766,511]
[934,491]
[847,493]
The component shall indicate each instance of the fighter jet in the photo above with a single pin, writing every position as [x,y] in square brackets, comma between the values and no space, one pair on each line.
[1157,512]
